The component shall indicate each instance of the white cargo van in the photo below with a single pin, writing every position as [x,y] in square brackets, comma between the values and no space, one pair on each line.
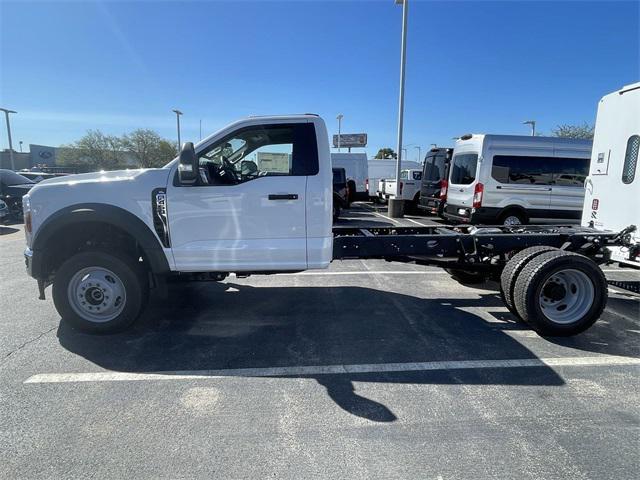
[511,179]
[380,169]
[612,197]
[357,169]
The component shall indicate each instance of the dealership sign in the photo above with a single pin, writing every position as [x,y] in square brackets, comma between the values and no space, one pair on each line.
[351,140]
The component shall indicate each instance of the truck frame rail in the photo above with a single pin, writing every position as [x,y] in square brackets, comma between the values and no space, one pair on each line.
[471,247]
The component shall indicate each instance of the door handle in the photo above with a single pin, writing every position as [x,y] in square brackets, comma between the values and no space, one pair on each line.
[283,196]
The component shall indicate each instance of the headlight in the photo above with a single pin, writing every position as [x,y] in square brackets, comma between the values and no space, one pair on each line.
[26,210]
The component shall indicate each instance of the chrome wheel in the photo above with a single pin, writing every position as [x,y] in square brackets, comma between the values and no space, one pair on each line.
[512,220]
[96,294]
[566,296]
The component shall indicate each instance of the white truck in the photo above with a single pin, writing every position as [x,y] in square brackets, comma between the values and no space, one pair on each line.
[103,240]
[409,191]
[612,193]
[381,169]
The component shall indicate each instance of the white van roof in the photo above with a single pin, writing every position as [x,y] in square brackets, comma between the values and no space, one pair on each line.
[523,141]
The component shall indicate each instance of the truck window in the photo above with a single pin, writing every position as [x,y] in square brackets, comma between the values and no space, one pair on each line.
[404,175]
[417,175]
[463,168]
[434,168]
[529,170]
[630,159]
[260,151]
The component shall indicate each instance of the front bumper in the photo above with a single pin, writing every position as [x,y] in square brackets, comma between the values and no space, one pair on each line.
[33,263]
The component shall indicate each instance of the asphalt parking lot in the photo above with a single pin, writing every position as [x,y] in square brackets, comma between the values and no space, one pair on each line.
[367,370]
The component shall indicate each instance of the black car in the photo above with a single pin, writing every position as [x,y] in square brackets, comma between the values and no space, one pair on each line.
[434,177]
[340,191]
[13,187]
[38,176]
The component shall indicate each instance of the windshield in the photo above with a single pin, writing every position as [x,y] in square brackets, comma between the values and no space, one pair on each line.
[12,178]
[434,168]
[463,168]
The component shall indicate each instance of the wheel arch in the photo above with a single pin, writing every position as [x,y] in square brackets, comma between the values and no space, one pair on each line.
[76,217]
[513,208]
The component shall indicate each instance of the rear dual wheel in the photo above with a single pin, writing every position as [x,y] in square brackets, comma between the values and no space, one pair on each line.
[557,293]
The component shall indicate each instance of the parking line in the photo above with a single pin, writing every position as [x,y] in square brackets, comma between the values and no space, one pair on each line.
[296,371]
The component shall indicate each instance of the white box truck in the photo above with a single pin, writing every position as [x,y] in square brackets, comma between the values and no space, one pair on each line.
[357,169]
[612,196]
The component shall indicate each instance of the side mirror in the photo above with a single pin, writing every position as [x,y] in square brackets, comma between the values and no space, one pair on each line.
[188,165]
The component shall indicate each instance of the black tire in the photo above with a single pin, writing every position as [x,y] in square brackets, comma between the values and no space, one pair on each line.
[467,277]
[522,218]
[336,210]
[133,280]
[538,276]
[512,270]
[352,192]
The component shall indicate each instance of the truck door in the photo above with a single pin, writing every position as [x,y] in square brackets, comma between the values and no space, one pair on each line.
[247,211]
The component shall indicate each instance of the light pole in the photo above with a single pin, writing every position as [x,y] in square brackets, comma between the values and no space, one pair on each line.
[6,116]
[200,129]
[419,153]
[533,126]
[395,204]
[20,146]
[339,118]
[178,113]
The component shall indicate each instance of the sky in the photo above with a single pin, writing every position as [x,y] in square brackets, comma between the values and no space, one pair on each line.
[477,66]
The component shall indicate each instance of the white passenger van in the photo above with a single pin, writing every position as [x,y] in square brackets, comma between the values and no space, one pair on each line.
[357,169]
[511,179]
[384,169]
[612,196]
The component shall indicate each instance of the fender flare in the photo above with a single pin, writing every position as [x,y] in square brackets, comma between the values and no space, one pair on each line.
[109,214]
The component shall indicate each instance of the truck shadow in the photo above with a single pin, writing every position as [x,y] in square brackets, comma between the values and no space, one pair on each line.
[223,326]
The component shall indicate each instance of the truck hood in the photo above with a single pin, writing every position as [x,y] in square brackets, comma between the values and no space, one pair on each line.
[158,174]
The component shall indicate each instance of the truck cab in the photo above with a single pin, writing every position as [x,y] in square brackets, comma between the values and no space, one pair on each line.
[254,197]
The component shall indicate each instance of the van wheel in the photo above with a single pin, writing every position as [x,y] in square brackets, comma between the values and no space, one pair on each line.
[560,293]
[336,211]
[100,293]
[513,217]
[512,270]
[352,191]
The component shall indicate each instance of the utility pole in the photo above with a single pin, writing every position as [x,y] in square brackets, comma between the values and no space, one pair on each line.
[395,204]
[178,113]
[6,116]
[533,126]
[419,154]
[200,129]
[20,146]
[339,118]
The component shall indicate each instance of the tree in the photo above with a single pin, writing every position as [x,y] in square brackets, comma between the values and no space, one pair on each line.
[148,148]
[573,131]
[95,149]
[385,153]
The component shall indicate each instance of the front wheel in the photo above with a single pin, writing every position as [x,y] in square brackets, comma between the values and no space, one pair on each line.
[100,293]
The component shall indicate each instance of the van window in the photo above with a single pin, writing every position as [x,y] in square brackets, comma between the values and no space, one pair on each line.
[630,159]
[417,175]
[434,168]
[463,168]
[528,170]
